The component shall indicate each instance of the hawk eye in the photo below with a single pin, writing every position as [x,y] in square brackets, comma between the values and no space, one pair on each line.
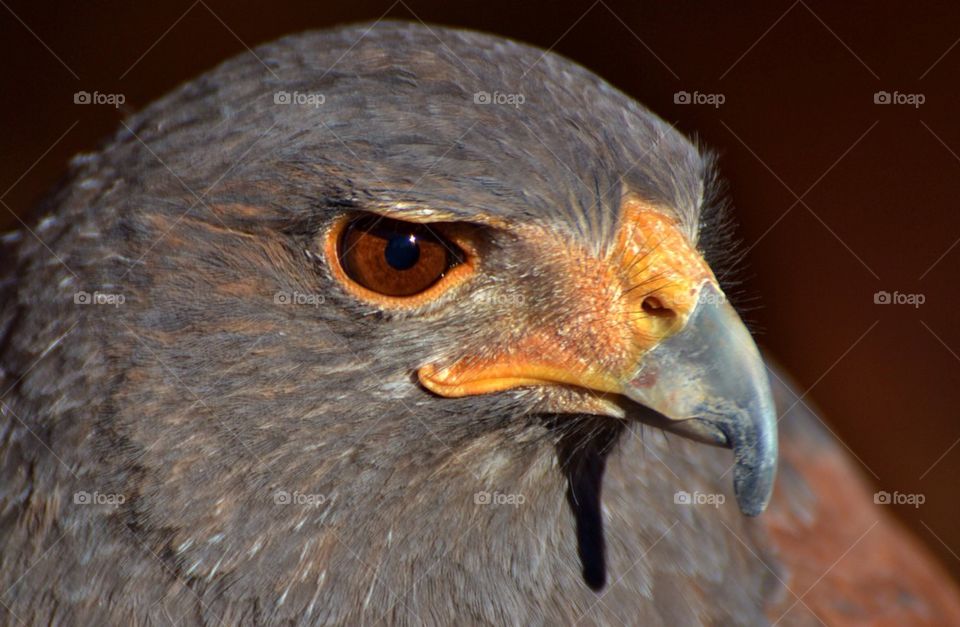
[395,258]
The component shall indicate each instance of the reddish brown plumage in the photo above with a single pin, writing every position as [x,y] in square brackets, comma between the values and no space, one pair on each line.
[847,557]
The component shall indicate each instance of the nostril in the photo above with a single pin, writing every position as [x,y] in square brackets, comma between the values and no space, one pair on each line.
[655,307]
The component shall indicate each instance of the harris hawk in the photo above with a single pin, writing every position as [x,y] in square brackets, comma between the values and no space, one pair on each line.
[413,325]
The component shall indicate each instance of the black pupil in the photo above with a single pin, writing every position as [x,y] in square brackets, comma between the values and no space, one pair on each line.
[402,252]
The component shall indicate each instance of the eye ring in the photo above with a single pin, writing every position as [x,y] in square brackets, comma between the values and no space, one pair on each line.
[398,263]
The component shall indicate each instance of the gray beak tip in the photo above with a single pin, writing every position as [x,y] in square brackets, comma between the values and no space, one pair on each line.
[711,370]
[754,444]
[753,489]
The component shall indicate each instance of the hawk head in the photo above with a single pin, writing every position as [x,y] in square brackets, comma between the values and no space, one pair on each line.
[379,280]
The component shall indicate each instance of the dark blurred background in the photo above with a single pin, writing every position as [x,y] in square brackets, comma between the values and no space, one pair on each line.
[837,196]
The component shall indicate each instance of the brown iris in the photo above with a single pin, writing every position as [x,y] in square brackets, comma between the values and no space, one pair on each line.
[395,258]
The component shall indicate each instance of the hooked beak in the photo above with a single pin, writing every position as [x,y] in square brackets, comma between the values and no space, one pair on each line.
[710,379]
[647,322]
